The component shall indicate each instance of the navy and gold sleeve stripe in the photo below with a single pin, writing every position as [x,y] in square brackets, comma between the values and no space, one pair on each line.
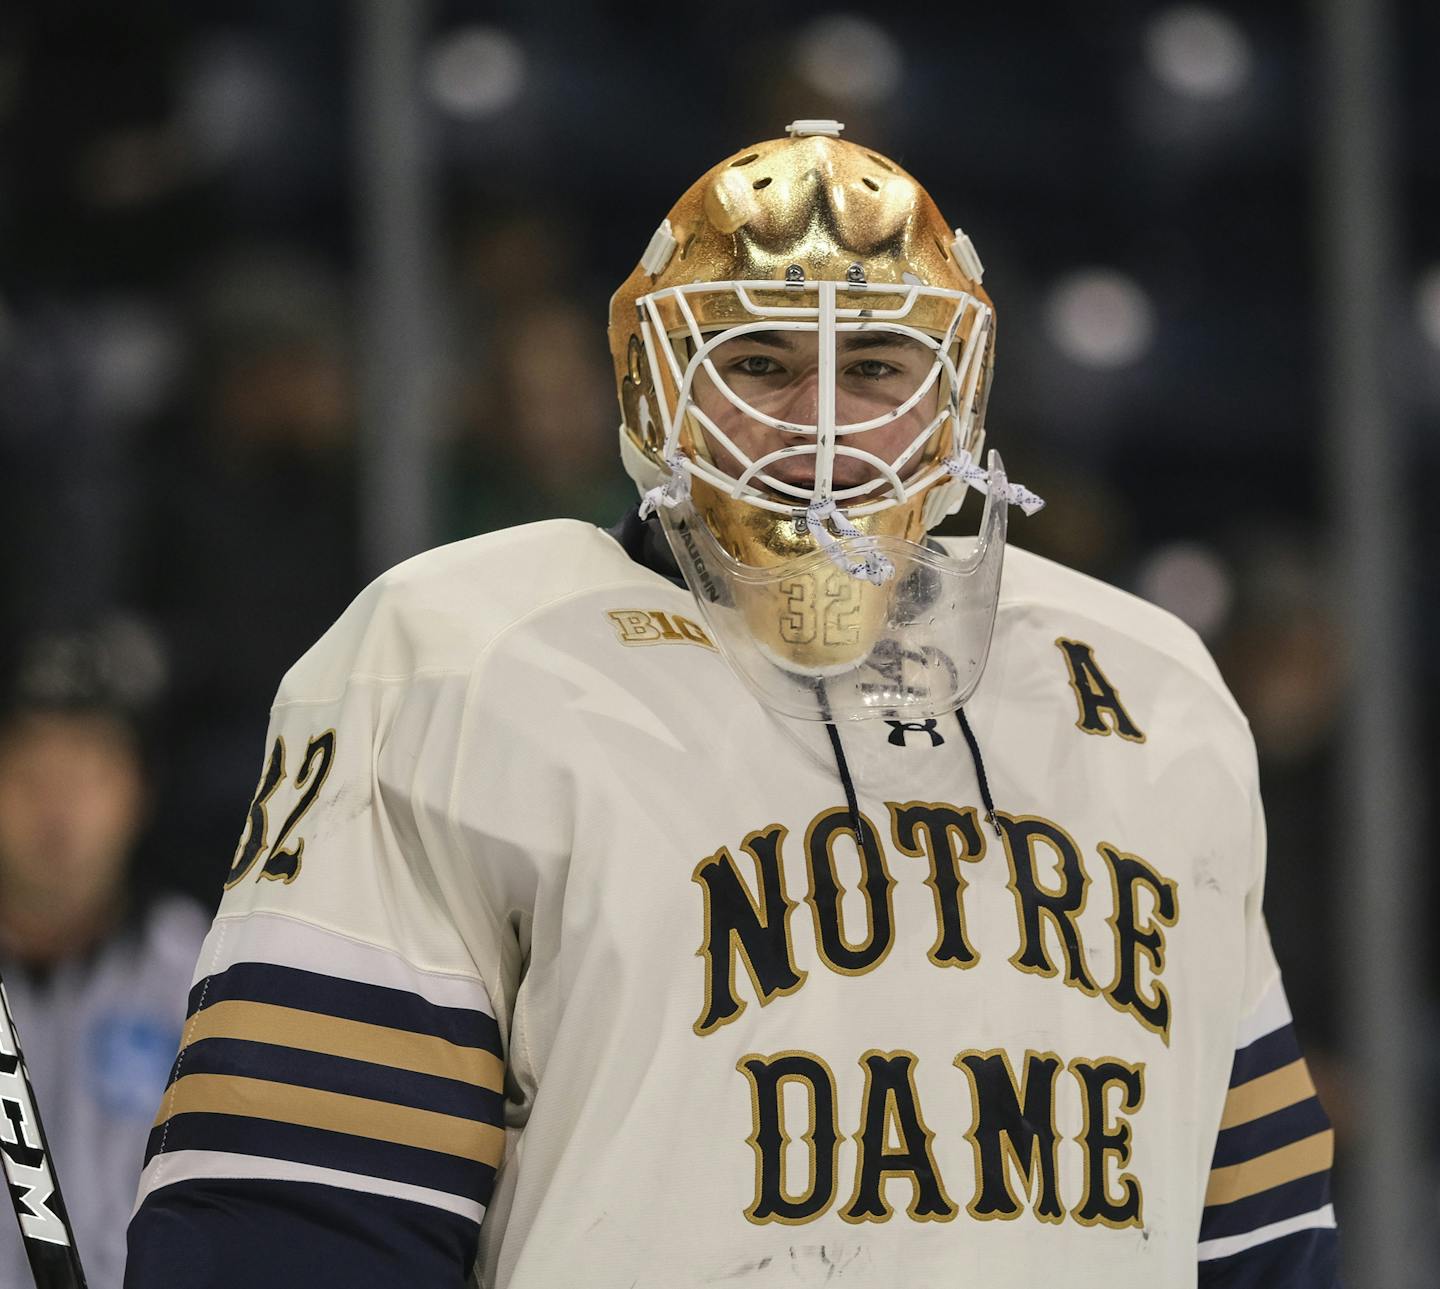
[265,982]
[1268,1220]
[383,1079]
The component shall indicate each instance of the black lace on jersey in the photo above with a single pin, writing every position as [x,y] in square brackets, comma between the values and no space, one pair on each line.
[644,541]
[842,766]
[846,781]
[974,745]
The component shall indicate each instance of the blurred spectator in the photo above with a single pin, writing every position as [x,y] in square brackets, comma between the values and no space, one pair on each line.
[1282,657]
[96,973]
[535,412]
[541,442]
[253,543]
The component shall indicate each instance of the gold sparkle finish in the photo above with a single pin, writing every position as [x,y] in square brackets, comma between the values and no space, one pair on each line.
[818,202]
[837,212]
[765,538]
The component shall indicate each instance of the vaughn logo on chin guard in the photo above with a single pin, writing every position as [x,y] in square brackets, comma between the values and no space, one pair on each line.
[26,1167]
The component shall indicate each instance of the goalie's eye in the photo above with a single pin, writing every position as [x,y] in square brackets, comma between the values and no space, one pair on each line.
[873,369]
[756,365]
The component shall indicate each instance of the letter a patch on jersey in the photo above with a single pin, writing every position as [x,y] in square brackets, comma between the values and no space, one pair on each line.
[1101,711]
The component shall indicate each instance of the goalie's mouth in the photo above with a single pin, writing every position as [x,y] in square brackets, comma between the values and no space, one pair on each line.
[799,472]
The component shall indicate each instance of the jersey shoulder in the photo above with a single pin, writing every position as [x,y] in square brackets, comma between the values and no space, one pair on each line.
[440,610]
[1039,593]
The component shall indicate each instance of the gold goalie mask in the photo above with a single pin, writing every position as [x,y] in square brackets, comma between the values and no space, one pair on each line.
[804,355]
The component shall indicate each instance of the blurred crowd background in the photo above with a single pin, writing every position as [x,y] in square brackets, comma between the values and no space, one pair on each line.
[182,385]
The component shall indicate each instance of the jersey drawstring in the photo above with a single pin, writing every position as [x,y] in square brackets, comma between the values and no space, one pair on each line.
[842,766]
[973,744]
[848,783]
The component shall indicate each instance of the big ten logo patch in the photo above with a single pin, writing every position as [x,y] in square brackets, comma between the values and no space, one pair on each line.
[651,626]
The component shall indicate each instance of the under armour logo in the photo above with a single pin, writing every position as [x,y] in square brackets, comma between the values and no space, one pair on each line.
[898,730]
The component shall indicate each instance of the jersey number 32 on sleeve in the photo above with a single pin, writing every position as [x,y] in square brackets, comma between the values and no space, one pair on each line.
[281,864]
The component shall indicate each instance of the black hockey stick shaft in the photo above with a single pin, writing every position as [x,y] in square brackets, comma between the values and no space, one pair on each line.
[29,1172]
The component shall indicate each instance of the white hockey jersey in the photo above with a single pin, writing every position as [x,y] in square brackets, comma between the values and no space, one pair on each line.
[539,917]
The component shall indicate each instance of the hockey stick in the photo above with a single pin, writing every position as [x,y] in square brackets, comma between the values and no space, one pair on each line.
[44,1224]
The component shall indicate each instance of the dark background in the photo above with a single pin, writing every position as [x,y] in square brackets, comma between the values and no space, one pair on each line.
[180,320]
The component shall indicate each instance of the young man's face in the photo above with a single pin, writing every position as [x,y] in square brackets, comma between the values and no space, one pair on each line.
[777,372]
[71,804]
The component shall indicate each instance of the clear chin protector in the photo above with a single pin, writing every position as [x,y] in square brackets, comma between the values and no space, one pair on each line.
[815,641]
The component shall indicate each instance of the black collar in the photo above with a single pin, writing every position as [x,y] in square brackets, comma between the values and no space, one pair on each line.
[644,541]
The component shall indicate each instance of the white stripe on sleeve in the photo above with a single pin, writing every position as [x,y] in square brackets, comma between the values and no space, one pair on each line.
[290,942]
[1270,1014]
[1321,1218]
[201,1165]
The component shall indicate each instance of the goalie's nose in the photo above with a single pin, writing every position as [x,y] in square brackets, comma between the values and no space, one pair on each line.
[799,403]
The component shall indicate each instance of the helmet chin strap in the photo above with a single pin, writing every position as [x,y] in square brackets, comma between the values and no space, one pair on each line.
[962,466]
[860,558]
[857,556]
[674,491]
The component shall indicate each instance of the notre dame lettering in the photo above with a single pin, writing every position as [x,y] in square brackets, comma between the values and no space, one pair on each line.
[1133,939]
[847,954]
[1012,1129]
[1013,1125]
[1011,1132]
[776,1197]
[1097,1205]
[946,837]
[1036,905]
[891,1105]
[752,928]
[748,921]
